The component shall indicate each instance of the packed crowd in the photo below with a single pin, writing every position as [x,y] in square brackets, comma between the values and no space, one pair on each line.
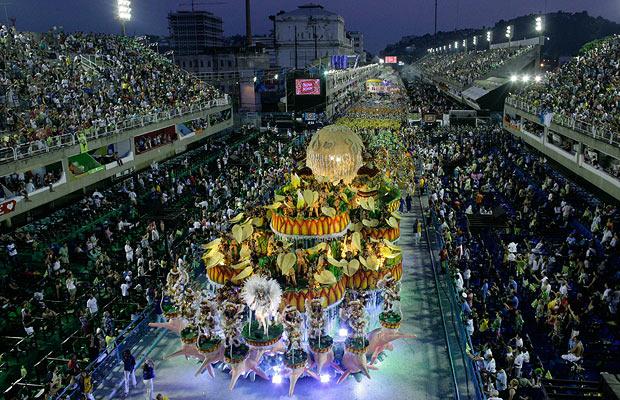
[427,99]
[540,291]
[586,89]
[103,259]
[49,90]
[463,68]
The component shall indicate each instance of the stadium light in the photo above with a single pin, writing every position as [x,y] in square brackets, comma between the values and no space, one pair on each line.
[464,42]
[509,32]
[254,79]
[475,40]
[276,76]
[124,12]
[456,44]
[444,47]
[514,78]
[538,24]
[525,78]
[489,36]
[537,78]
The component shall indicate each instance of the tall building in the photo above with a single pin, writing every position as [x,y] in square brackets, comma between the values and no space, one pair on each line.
[357,40]
[308,33]
[193,32]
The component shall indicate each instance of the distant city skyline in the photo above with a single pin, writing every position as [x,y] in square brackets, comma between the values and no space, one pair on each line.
[381,22]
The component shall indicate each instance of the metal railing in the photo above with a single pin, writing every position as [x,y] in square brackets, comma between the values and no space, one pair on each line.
[34,148]
[464,339]
[110,358]
[586,128]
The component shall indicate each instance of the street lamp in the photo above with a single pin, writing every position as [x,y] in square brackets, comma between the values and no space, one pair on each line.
[124,12]
[538,24]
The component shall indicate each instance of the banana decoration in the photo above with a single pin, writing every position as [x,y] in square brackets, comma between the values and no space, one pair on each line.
[370,223]
[213,260]
[247,271]
[300,200]
[356,242]
[392,222]
[371,263]
[212,244]
[286,263]
[237,218]
[295,181]
[329,211]
[325,277]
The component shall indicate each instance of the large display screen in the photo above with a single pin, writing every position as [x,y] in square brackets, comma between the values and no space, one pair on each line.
[391,59]
[305,87]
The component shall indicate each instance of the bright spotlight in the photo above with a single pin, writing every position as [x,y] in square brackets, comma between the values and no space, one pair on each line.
[514,78]
[538,24]
[537,78]
[124,10]
[325,378]
[276,379]
[343,332]
[525,78]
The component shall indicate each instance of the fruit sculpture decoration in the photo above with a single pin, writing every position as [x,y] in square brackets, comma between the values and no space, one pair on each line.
[318,244]
[310,206]
[379,222]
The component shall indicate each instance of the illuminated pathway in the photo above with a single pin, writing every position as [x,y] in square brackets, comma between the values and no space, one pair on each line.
[416,369]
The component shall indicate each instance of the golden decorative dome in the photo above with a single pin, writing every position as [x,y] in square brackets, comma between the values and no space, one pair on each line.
[335,152]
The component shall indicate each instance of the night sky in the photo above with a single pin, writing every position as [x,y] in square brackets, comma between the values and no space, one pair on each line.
[381,21]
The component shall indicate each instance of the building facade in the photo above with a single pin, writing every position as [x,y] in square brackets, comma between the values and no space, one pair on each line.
[193,32]
[308,33]
[357,41]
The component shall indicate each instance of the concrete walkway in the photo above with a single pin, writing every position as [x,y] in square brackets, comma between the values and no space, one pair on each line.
[417,369]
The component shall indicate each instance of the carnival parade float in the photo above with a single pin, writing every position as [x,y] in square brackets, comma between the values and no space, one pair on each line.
[307,286]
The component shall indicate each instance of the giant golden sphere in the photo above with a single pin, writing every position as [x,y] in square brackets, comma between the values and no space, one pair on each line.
[335,152]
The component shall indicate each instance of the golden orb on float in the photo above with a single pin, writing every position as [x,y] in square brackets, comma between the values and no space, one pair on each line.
[335,152]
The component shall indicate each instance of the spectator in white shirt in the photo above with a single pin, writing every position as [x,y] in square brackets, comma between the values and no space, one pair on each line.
[91,304]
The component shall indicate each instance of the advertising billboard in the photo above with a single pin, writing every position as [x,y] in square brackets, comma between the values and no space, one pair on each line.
[391,59]
[304,87]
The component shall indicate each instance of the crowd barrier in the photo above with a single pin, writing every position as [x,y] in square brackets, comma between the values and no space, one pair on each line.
[34,148]
[112,357]
[583,127]
[454,299]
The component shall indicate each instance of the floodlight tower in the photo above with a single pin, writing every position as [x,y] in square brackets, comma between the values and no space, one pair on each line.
[510,31]
[124,12]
